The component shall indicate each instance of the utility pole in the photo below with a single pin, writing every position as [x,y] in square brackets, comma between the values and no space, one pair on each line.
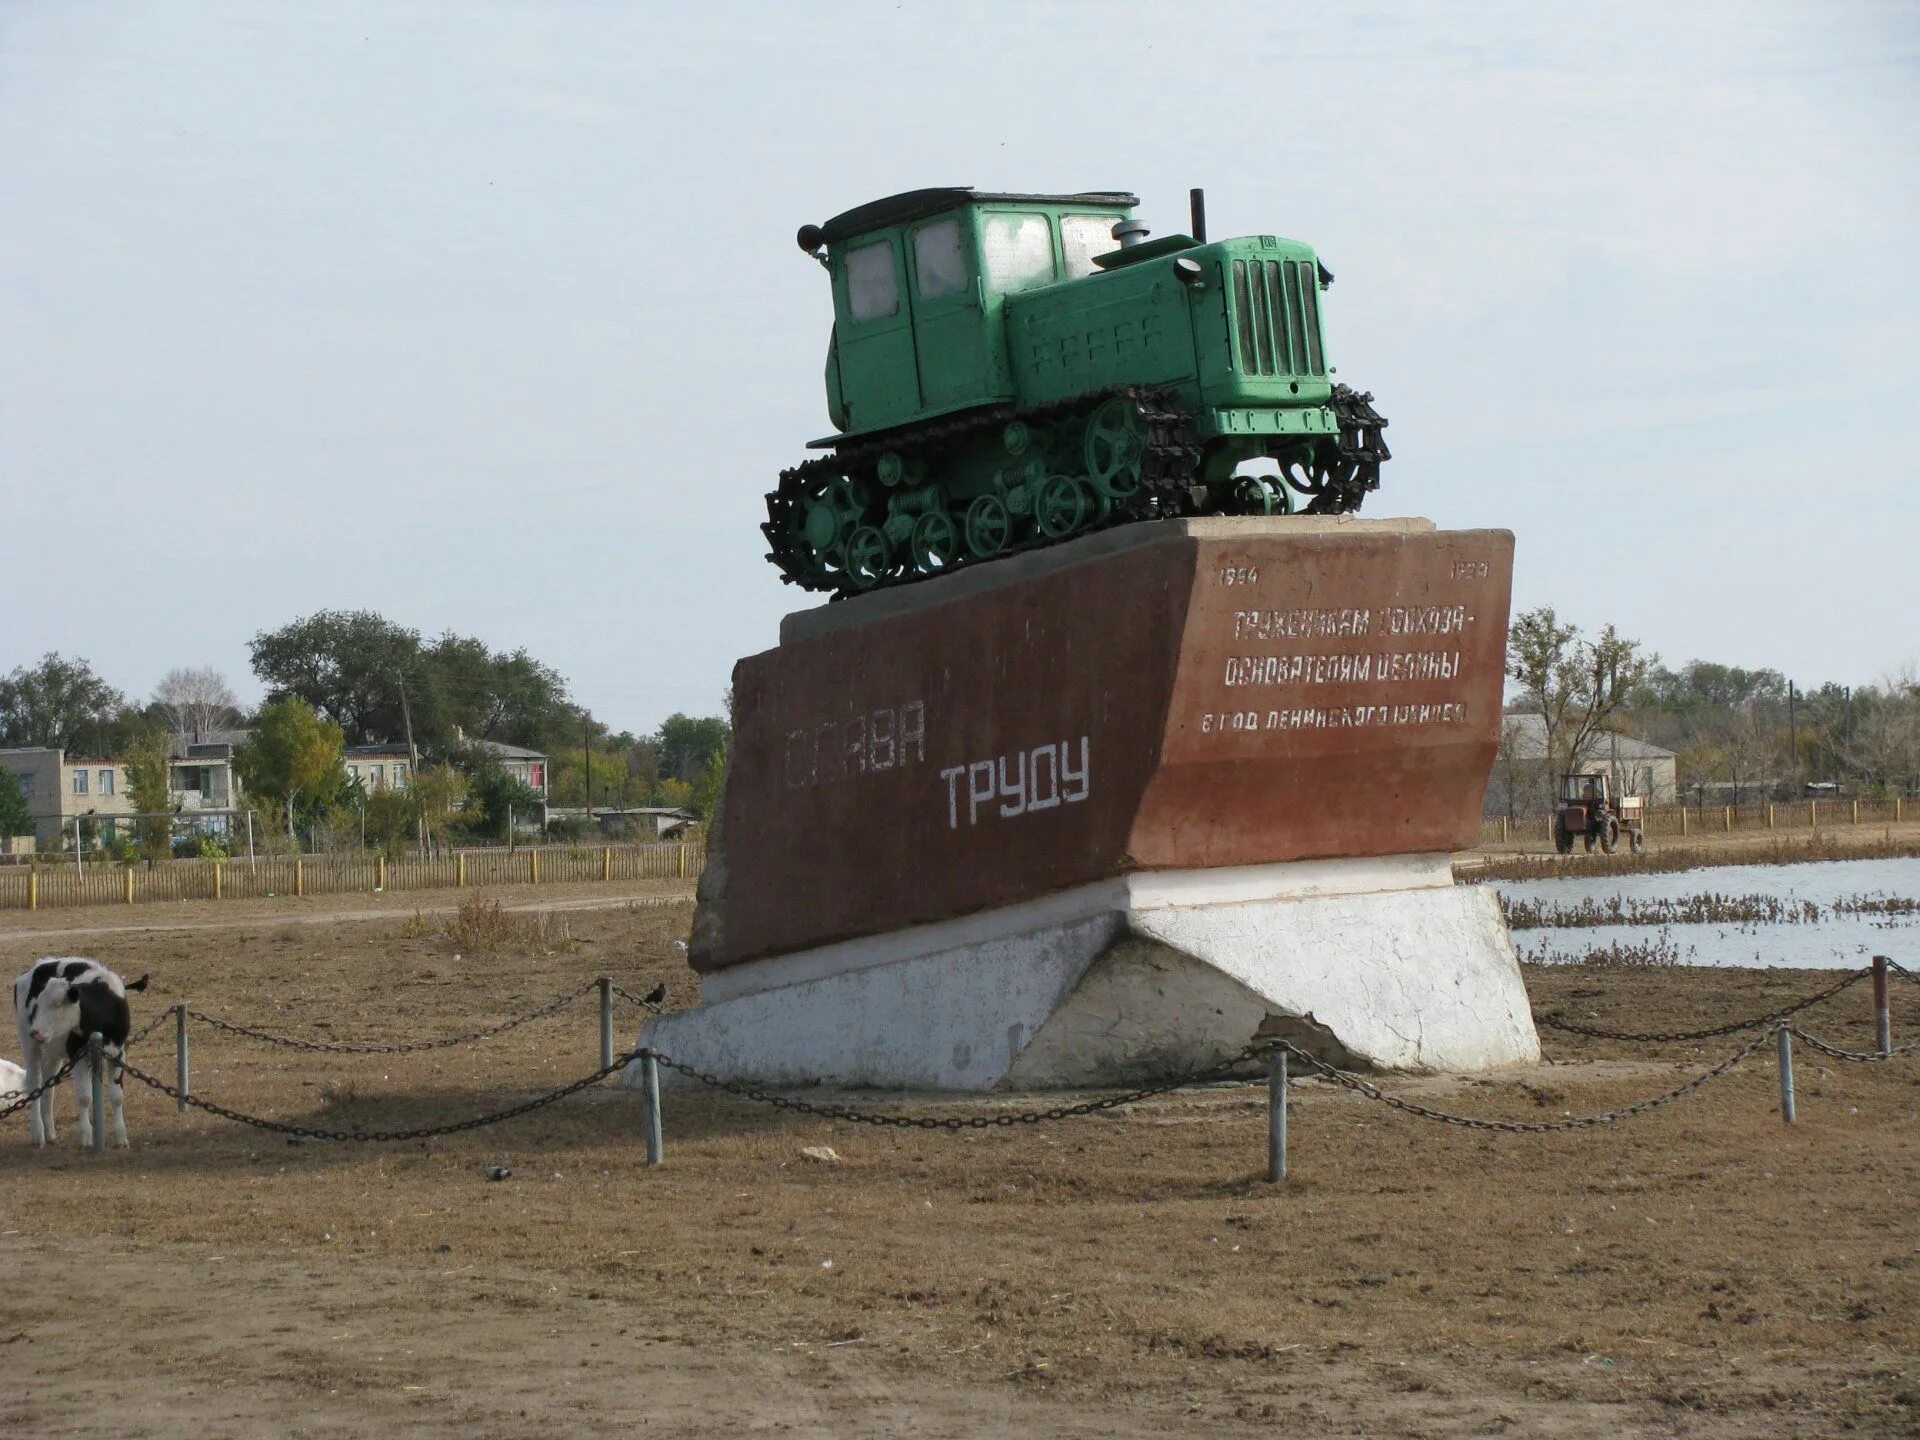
[586,744]
[413,758]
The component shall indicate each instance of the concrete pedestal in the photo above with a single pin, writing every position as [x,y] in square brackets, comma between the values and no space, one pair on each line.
[1378,962]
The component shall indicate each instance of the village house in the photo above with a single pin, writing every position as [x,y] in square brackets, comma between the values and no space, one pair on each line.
[62,789]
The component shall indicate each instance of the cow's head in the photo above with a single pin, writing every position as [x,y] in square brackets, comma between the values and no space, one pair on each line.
[55,1011]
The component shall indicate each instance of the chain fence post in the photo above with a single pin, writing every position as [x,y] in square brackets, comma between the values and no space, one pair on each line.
[1785,1034]
[650,1094]
[1882,1007]
[1276,1114]
[181,1067]
[97,1060]
[606,1021]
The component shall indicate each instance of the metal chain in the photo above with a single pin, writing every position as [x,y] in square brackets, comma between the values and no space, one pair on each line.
[408,1047]
[151,1026]
[20,1102]
[1555,1022]
[1527,1127]
[362,1134]
[1904,971]
[1869,1056]
[639,1000]
[952,1122]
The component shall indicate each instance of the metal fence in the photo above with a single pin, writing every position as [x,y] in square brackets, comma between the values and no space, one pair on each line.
[1679,820]
[65,886]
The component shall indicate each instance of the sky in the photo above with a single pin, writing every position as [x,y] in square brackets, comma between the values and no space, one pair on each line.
[488,316]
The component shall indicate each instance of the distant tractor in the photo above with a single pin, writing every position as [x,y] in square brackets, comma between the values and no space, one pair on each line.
[1590,811]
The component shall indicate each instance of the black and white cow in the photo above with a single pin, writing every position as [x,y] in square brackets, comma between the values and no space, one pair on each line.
[58,1004]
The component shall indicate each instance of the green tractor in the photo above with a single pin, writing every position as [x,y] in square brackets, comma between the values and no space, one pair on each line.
[1009,371]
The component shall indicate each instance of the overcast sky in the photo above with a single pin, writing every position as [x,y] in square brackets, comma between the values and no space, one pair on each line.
[488,316]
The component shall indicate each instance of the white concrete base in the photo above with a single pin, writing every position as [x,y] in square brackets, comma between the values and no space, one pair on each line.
[1382,963]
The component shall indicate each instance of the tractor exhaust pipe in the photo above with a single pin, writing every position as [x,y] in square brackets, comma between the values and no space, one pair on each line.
[1197,201]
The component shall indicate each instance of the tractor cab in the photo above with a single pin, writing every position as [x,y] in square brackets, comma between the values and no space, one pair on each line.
[920,282]
[1589,788]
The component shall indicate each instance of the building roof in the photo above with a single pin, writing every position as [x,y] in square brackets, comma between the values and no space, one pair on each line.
[500,750]
[1526,736]
[369,752]
[912,204]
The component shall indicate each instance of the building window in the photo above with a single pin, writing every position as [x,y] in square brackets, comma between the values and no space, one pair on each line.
[106,782]
[537,776]
[27,784]
[399,775]
[79,782]
[872,290]
[379,779]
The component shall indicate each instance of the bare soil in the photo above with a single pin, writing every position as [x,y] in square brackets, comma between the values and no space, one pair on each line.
[1703,1271]
[1716,847]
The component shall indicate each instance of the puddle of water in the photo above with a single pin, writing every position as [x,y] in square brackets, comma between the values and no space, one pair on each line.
[1838,942]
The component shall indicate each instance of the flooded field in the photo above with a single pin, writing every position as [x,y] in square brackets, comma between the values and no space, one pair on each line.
[1826,914]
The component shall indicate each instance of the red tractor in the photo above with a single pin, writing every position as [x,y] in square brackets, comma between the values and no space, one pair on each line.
[1590,811]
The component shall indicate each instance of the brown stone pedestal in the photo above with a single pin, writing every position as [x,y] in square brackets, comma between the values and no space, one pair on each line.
[1272,705]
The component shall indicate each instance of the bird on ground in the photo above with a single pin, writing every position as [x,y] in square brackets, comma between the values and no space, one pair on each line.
[658,994]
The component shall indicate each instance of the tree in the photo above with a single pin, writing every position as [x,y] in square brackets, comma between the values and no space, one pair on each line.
[15,816]
[293,755]
[498,797]
[194,702]
[1572,683]
[150,789]
[439,794]
[60,703]
[687,745]
[347,666]
[711,785]
[494,695]
[371,675]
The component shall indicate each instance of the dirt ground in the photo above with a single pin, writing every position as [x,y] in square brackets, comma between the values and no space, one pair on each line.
[1703,1271]
[1725,847]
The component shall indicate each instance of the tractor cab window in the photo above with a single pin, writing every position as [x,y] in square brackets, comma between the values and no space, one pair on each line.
[1018,251]
[872,290]
[939,261]
[1081,238]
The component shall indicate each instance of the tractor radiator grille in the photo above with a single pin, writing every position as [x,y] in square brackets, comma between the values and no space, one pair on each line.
[1276,309]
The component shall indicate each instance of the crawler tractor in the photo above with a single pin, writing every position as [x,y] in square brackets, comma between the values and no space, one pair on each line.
[1008,371]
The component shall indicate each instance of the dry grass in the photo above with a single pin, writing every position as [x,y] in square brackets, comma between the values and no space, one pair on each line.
[1860,844]
[483,923]
[1701,1271]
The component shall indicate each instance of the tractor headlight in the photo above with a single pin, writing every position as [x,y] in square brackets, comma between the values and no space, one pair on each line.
[1188,272]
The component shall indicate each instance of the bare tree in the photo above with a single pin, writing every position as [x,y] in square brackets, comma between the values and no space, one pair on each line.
[1884,748]
[1572,683]
[195,701]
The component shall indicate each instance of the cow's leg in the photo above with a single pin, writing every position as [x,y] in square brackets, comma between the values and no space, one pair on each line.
[39,1113]
[83,1099]
[116,1097]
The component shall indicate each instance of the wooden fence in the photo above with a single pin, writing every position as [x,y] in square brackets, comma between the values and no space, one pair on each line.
[48,887]
[1678,820]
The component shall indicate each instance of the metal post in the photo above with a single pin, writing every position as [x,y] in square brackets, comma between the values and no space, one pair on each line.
[606,1021]
[181,1068]
[97,1058]
[1276,1113]
[1786,1074]
[1882,1013]
[650,1090]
